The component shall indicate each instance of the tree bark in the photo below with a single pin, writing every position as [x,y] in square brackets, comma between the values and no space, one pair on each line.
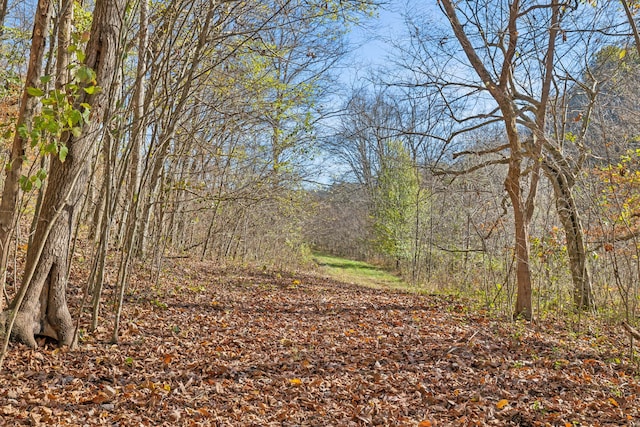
[4,9]
[523,273]
[568,213]
[44,309]
[28,105]
[632,23]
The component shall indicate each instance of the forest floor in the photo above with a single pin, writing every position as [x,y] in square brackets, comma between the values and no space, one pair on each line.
[253,347]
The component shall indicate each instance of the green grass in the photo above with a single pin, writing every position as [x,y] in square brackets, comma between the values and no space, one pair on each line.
[358,272]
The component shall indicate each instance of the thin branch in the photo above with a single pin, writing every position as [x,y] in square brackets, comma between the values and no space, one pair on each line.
[632,331]
[473,168]
[481,152]
[455,251]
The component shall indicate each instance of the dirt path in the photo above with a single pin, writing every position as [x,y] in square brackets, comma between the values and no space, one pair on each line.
[251,348]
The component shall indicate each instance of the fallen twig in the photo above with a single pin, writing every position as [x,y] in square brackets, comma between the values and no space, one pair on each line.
[632,331]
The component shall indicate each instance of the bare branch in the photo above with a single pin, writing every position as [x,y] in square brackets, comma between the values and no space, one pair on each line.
[473,168]
[481,152]
[632,331]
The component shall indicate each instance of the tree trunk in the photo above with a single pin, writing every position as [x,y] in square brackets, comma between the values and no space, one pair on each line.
[28,104]
[44,308]
[523,274]
[499,88]
[4,8]
[574,234]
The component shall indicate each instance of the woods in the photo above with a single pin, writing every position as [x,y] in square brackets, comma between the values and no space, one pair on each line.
[492,154]
[144,122]
[515,97]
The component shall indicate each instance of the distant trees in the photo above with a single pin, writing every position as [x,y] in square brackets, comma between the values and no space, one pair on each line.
[395,194]
[382,143]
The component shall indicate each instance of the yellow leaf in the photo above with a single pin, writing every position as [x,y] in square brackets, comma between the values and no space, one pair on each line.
[425,423]
[166,386]
[613,402]
[501,404]
[622,53]
[297,382]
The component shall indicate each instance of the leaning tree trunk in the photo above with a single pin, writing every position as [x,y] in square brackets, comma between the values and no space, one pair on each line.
[574,234]
[44,310]
[11,190]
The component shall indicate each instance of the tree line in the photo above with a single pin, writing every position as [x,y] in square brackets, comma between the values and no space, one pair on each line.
[496,153]
[516,123]
[147,129]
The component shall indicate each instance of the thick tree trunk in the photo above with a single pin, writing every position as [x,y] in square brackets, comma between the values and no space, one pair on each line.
[28,105]
[44,308]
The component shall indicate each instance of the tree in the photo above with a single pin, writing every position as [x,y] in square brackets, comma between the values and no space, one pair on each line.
[28,104]
[394,199]
[519,75]
[40,308]
[500,85]
[627,5]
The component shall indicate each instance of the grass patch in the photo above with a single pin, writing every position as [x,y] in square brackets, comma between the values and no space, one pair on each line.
[358,272]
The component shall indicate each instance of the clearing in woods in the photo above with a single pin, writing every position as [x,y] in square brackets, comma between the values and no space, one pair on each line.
[251,347]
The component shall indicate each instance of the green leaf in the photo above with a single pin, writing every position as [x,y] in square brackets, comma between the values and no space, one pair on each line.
[23,131]
[35,137]
[53,127]
[85,74]
[34,91]
[25,183]
[76,131]
[86,113]
[50,148]
[75,117]
[92,89]
[63,153]
[45,79]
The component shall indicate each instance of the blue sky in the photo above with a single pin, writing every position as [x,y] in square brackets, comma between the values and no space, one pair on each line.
[371,39]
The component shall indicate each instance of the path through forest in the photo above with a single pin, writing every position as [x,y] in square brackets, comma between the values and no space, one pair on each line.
[252,347]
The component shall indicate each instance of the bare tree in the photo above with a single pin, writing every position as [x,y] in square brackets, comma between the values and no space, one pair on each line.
[512,50]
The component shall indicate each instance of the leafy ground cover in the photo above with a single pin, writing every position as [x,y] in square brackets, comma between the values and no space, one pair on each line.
[247,347]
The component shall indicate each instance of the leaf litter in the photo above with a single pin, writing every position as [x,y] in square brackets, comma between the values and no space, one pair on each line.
[247,347]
